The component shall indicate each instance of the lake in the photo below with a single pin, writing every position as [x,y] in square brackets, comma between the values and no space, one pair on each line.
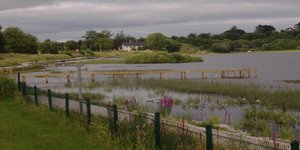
[272,68]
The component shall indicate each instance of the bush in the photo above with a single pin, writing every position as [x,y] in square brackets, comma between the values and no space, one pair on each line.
[7,87]
[189,49]
[161,57]
[220,47]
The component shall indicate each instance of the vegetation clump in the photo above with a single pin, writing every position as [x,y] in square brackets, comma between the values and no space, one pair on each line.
[259,121]
[7,87]
[161,57]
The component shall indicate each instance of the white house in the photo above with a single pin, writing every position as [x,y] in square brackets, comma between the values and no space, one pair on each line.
[130,46]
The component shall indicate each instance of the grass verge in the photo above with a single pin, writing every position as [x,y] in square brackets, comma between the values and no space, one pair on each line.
[11,59]
[29,127]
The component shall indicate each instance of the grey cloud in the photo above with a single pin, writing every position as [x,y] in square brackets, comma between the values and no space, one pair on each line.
[63,19]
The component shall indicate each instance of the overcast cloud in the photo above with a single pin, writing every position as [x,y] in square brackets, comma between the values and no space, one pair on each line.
[69,19]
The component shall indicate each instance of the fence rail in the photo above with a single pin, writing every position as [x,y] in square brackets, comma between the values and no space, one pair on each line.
[208,138]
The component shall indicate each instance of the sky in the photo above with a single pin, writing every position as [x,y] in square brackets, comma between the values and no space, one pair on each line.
[63,20]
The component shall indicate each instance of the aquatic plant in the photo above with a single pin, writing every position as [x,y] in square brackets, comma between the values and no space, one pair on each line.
[166,105]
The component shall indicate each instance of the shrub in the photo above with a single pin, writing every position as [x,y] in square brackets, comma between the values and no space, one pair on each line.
[7,87]
[220,47]
[161,57]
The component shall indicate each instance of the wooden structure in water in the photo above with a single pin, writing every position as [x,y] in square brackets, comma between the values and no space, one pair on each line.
[231,73]
[182,74]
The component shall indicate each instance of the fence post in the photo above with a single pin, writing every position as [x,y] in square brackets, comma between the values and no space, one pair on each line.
[19,81]
[50,99]
[157,130]
[295,145]
[209,140]
[24,88]
[115,119]
[67,105]
[88,111]
[35,95]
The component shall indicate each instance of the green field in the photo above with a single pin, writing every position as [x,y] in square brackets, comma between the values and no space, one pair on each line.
[11,59]
[24,126]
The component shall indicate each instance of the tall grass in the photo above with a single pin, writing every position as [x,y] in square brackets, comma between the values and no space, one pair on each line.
[7,87]
[283,99]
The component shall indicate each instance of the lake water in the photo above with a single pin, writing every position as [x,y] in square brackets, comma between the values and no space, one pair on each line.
[272,67]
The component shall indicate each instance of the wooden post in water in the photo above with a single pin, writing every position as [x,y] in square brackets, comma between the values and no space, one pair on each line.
[160,75]
[184,75]
[113,76]
[222,74]
[93,77]
[68,79]
[137,75]
[46,79]
[202,75]
[181,75]
[23,78]
[10,71]
[248,72]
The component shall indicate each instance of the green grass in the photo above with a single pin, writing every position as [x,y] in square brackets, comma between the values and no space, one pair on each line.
[11,59]
[29,127]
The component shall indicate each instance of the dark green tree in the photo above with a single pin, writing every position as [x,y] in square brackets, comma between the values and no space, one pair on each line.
[19,42]
[2,42]
[71,45]
[297,26]
[233,34]
[98,41]
[120,38]
[173,46]
[49,47]
[156,41]
[265,29]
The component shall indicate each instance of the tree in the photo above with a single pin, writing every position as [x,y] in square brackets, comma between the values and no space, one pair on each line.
[2,42]
[71,45]
[222,47]
[234,33]
[98,41]
[19,42]
[156,41]
[120,38]
[297,26]
[173,46]
[50,47]
[264,28]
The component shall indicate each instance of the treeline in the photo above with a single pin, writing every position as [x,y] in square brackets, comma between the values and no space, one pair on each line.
[264,37]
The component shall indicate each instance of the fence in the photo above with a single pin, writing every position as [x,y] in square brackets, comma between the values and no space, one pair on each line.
[206,138]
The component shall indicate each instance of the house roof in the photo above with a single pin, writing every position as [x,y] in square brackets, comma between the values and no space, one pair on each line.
[133,43]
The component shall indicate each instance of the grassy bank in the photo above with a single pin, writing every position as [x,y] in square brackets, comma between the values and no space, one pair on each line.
[11,59]
[161,57]
[29,127]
